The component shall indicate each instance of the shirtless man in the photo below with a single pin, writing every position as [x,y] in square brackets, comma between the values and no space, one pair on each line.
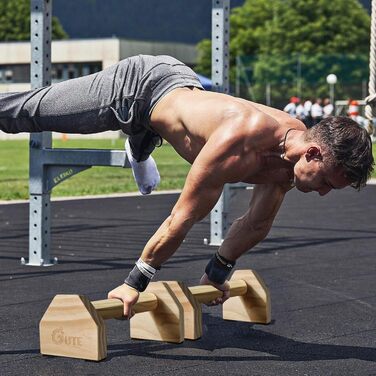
[226,140]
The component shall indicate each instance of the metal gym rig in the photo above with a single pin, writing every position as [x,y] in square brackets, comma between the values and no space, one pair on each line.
[51,166]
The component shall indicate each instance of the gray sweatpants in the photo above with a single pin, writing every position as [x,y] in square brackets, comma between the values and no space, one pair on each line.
[119,97]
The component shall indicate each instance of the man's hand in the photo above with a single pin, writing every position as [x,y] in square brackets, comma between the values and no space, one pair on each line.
[225,287]
[128,295]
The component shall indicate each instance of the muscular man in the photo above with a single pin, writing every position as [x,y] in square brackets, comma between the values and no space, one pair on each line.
[226,140]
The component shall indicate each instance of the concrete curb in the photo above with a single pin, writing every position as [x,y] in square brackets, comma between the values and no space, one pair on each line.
[91,197]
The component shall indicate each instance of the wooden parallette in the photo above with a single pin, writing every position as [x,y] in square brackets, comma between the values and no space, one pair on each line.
[167,311]
[74,327]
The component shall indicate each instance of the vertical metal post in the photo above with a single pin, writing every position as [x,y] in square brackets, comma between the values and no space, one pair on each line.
[220,45]
[268,94]
[331,93]
[40,75]
[237,79]
[220,80]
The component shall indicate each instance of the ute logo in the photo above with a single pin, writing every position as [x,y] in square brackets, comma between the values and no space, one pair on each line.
[59,338]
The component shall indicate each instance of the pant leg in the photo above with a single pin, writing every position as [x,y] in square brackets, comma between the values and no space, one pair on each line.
[82,105]
[143,144]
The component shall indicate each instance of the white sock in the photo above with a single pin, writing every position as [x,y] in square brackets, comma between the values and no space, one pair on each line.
[145,172]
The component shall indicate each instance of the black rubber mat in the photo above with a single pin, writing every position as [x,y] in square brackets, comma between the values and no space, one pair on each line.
[319,262]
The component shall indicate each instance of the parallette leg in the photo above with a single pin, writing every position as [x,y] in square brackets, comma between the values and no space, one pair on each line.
[192,310]
[254,306]
[165,323]
[71,327]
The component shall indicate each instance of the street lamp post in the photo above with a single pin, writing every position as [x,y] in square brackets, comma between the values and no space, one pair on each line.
[331,79]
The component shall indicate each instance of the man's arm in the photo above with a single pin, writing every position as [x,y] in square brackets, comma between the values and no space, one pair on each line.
[255,224]
[217,164]
[248,230]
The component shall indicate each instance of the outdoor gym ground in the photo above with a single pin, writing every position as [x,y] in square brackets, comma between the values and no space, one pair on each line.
[318,262]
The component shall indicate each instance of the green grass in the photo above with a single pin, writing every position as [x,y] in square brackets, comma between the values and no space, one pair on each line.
[14,167]
[14,170]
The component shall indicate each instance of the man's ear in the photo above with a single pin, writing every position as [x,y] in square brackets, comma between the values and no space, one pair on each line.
[313,153]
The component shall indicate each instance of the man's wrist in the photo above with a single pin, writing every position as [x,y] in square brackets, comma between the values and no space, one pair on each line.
[219,268]
[131,288]
[140,276]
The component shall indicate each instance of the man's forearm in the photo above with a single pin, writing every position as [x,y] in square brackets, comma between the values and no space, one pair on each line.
[241,237]
[166,240]
[255,224]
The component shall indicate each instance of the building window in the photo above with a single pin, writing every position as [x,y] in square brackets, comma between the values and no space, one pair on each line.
[61,72]
[20,73]
[8,75]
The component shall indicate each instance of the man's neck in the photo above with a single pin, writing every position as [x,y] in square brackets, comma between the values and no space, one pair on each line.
[293,145]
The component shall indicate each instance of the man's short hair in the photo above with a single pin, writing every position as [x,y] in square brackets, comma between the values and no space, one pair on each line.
[349,146]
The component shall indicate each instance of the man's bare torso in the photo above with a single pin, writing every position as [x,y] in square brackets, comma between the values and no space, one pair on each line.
[187,119]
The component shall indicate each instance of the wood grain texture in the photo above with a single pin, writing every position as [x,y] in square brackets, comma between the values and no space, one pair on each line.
[113,308]
[192,310]
[165,323]
[255,305]
[207,293]
[71,327]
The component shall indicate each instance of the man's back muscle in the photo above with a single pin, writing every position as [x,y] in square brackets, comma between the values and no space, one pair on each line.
[188,118]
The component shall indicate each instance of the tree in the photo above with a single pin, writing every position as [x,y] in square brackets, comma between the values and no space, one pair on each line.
[15,21]
[297,40]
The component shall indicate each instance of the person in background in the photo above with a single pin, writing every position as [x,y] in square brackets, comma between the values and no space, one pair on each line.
[307,113]
[290,108]
[328,109]
[300,112]
[316,112]
[354,114]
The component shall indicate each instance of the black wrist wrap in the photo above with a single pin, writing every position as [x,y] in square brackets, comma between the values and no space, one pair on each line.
[137,280]
[219,268]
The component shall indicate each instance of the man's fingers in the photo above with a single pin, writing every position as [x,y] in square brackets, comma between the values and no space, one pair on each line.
[226,295]
[127,312]
[128,316]
[220,300]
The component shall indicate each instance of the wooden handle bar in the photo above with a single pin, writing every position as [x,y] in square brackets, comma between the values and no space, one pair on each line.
[113,308]
[207,293]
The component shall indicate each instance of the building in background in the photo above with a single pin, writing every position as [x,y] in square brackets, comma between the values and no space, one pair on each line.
[74,58]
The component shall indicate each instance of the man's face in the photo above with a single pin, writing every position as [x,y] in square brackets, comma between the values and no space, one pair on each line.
[311,173]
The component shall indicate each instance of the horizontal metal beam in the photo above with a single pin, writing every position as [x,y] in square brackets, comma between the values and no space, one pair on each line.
[85,157]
